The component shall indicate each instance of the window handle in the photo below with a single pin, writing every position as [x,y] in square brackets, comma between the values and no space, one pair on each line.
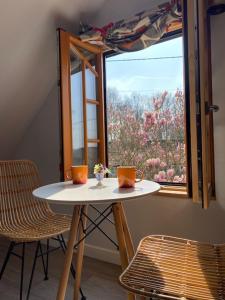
[212,108]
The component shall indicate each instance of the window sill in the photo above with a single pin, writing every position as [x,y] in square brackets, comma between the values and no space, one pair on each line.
[173,191]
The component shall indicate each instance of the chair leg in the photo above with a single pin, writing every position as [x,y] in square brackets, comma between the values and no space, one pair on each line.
[47,260]
[33,268]
[11,246]
[72,270]
[43,262]
[22,271]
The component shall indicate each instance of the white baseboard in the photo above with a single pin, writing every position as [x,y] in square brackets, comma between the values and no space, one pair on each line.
[103,254]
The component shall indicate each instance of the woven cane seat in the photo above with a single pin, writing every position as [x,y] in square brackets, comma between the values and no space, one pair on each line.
[22,217]
[172,268]
[39,229]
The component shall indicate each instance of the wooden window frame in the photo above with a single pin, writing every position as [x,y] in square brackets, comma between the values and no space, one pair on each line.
[198,97]
[170,190]
[66,40]
[196,90]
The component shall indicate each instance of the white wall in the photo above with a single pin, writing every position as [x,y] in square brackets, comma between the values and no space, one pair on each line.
[112,11]
[179,217]
[42,138]
[28,60]
[152,215]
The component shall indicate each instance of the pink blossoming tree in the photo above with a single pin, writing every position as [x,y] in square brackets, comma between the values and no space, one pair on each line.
[148,133]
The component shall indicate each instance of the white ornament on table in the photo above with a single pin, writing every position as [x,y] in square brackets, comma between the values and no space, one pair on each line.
[99,177]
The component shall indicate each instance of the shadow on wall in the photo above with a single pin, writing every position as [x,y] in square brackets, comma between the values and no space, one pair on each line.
[114,10]
[29,60]
[41,141]
[33,125]
[29,86]
[176,217]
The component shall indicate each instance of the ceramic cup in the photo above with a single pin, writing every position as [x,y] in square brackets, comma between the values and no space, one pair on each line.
[79,174]
[127,176]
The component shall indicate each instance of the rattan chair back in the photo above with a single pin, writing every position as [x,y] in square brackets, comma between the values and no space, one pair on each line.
[25,219]
[173,268]
[18,178]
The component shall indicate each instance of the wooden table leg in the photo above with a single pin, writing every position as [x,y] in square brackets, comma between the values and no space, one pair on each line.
[119,225]
[80,254]
[128,239]
[69,254]
[127,234]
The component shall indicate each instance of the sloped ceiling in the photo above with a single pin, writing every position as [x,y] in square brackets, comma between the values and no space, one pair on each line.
[28,54]
[115,10]
[28,59]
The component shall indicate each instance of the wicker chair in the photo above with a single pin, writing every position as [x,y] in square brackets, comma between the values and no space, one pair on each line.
[24,219]
[172,268]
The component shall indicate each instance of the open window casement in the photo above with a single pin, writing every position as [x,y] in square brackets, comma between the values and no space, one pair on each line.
[81,78]
[199,100]
[83,112]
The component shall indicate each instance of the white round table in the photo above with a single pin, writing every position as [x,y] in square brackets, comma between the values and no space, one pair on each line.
[80,196]
[90,193]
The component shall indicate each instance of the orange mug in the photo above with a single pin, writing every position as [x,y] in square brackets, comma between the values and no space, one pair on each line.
[127,176]
[79,174]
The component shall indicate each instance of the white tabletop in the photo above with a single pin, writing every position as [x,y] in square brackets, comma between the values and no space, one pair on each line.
[89,193]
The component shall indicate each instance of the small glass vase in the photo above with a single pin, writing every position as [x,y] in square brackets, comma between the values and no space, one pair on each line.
[99,177]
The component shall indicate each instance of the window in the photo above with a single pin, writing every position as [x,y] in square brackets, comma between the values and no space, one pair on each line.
[182,141]
[146,111]
[82,104]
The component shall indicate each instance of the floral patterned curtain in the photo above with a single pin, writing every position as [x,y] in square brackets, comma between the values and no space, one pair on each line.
[138,32]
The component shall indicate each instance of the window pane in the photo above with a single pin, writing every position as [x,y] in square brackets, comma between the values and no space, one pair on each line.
[145,111]
[89,75]
[90,84]
[77,110]
[92,157]
[92,121]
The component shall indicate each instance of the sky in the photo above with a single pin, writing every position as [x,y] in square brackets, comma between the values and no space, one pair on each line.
[147,76]
[142,76]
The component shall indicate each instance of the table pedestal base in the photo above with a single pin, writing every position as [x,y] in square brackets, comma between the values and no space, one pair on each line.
[69,254]
[125,245]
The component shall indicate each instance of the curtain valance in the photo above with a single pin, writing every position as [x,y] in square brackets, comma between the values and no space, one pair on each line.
[138,32]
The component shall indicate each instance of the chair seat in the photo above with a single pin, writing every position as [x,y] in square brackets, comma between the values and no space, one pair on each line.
[172,268]
[47,226]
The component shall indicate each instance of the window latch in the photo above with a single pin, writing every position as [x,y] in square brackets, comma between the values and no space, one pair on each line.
[211,108]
